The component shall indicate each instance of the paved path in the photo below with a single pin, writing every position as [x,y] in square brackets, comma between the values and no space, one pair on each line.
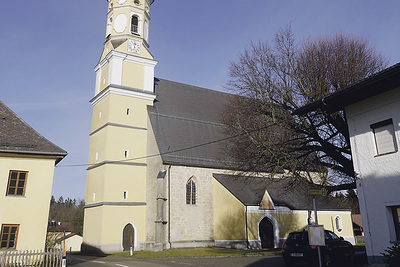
[87,261]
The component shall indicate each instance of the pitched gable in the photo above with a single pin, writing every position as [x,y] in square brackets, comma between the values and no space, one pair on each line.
[267,203]
[17,137]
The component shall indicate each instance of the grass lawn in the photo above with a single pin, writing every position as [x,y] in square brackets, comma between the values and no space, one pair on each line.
[198,252]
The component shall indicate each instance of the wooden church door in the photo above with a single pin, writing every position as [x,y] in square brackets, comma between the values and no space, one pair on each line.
[128,238]
[266,230]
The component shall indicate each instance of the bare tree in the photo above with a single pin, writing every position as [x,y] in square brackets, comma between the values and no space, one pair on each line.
[274,81]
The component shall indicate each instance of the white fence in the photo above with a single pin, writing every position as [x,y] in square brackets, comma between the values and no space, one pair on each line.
[50,258]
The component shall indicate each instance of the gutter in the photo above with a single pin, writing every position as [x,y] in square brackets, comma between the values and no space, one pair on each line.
[376,84]
[59,156]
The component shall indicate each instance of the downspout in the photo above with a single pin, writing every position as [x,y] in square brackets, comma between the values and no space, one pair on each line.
[169,206]
[247,231]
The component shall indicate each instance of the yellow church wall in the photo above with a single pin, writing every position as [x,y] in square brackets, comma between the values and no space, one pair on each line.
[229,216]
[106,148]
[29,211]
[112,229]
[108,183]
[137,110]
[113,108]
[328,220]
[97,147]
[125,178]
[117,143]
[99,229]
[95,185]
[131,74]
[92,225]
[289,221]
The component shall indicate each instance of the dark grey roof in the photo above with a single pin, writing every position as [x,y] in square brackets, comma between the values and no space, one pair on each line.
[185,120]
[376,84]
[283,191]
[17,137]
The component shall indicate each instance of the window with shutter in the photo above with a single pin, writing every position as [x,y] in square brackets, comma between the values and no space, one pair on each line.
[385,139]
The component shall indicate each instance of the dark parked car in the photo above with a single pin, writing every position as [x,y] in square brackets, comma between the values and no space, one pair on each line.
[296,249]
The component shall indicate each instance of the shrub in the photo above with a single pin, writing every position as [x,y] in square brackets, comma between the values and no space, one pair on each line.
[392,256]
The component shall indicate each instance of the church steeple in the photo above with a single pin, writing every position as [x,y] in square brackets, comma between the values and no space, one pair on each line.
[128,27]
[126,48]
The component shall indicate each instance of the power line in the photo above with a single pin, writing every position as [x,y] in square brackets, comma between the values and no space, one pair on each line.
[172,151]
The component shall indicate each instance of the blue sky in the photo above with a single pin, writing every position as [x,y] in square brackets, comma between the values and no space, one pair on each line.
[49,49]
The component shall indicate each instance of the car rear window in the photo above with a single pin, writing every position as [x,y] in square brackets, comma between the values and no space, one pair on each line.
[301,236]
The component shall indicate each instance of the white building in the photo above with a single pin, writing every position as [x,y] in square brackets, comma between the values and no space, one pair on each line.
[372,109]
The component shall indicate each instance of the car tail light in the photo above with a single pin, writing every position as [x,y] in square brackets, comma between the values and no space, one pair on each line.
[313,247]
[284,246]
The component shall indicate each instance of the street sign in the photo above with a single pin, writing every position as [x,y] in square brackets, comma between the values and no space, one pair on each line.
[319,192]
[316,235]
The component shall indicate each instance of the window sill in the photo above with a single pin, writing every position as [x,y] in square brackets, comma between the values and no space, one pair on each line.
[388,153]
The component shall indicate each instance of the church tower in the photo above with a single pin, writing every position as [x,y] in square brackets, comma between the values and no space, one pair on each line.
[115,210]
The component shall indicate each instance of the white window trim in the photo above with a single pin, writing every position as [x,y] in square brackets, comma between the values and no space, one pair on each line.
[140,23]
[380,134]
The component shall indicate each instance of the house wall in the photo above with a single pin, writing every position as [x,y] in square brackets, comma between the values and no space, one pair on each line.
[73,243]
[378,177]
[29,211]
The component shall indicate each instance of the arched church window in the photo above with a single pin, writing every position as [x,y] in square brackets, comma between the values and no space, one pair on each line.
[190,192]
[134,24]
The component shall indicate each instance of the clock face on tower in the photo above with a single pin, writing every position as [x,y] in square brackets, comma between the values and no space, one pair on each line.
[134,46]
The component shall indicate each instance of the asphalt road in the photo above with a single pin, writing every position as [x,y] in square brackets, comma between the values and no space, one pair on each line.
[88,261]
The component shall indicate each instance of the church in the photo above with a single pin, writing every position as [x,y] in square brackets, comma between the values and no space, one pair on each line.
[157,177]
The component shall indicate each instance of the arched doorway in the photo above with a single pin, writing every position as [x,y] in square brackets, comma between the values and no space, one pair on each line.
[128,237]
[266,231]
